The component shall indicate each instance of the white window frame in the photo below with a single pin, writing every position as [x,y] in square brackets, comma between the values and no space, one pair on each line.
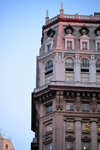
[69,38]
[49,41]
[85,39]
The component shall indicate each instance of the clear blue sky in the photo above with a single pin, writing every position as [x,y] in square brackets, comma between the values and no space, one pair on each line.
[20,39]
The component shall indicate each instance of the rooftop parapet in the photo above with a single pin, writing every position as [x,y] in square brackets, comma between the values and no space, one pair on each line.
[76,16]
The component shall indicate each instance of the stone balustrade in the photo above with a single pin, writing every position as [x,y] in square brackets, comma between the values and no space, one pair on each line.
[76,16]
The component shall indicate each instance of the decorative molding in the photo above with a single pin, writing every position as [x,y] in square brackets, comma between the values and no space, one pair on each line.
[86,137]
[70,137]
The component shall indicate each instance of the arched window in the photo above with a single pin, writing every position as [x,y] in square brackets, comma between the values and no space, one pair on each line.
[98,71]
[84,62]
[98,63]
[49,65]
[69,62]
[48,71]
[85,75]
[69,70]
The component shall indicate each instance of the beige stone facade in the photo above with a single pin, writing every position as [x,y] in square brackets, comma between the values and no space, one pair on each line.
[5,144]
[66,100]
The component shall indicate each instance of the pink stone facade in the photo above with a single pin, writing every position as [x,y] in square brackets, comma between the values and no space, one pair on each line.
[66,100]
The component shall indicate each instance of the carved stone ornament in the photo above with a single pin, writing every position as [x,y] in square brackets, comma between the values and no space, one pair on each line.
[86,137]
[98,138]
[78,94]
[57,107]
[70,137]
[93,108]
[61,107]
[47,140]
[77,107]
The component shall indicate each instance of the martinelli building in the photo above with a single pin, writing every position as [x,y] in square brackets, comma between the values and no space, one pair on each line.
[66,101]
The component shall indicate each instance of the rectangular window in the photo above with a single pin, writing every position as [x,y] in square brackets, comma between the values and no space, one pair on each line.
[98,78]
[48,127]
[70,145]
[48,47]
[98,107]
[49,146]
[49,109]
[86,146]
[98,46]
[69,44]
[69,76]
[69,106]
[70,126]
[85,77]
[86,127]
[98,127]
[85,107]
[99,146]
[84,45]
[6,146]
[48,78]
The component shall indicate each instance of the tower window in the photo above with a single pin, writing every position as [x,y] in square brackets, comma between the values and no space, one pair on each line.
[85,107]
[48,71]
[70,145]
[84,45]
[70,126]
[69,76]
[98,106]
[85,77]
[49,109]
[48,47]
[6,146]
[99,146]
[69,44]
[98,46]
[49,146]
[86,146]
[86,127]
[69,106]
[98,127]
[84,62]
[49,127]
[98,63]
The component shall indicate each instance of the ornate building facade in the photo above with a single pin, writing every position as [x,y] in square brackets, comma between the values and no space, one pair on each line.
[66,100]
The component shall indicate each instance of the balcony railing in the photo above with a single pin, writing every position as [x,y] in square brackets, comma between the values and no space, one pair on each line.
[69,64]
[97,65]
[69,48]
[84,65]
[84,48]
[49,67]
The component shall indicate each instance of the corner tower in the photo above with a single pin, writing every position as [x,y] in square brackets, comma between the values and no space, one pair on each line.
[66,100]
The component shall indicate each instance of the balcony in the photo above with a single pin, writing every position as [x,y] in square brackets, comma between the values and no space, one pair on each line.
[97,65]
[84,64]
[69,48]
[69,64]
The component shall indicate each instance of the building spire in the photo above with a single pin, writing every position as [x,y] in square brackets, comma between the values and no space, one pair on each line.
[47,18]
[61,11]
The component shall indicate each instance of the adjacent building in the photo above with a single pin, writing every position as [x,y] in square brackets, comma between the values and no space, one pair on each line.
[5,144]
[66,100]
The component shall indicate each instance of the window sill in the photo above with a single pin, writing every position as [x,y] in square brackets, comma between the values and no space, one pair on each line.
[70,131]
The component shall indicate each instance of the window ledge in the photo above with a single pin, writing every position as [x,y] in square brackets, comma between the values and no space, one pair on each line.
[48,133]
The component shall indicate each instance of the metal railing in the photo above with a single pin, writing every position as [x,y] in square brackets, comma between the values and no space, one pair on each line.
[69,48]
[97,65]
[84,64]
[69,64]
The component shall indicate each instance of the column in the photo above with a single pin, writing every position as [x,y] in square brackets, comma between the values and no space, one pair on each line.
[77,69]
[93,134]
[78,134]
